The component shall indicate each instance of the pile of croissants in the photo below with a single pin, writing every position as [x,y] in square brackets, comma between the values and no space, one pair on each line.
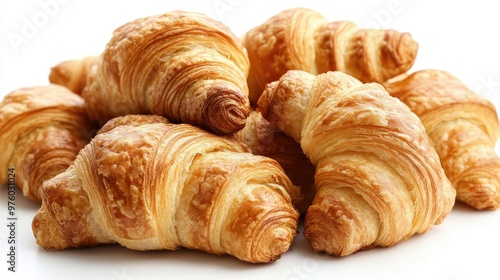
[181,134]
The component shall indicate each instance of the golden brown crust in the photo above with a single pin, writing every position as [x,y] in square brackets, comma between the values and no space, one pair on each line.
[72,73]
[42,129]
[184,66]
[283,42]
[378,179]
[134,120]
[302,39]
[463,127]
[370,55]
[60,223]
[265,139]
[164,186]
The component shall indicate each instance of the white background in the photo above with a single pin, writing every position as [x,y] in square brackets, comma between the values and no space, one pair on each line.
[460,37]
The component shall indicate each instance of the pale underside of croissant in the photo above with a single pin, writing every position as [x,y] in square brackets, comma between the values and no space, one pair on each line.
[378,179]
[164,186]
[72,73]
[184,66]
[265,139]
[42,129]
[463,127]
[302,39]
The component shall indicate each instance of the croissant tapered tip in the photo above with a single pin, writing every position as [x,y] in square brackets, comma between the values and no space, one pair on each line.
[402,49]
[480,191]
[72,74]
[225,110]
[319,229]
[46,234]
[274,237]
[61,74]
[481,200]
[264,102]
[280,244]
[408,46]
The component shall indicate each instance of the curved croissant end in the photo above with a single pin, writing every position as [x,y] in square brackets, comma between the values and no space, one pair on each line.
[72,73]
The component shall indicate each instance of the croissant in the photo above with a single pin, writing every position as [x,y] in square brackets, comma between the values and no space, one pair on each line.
[184,66]
[265,139]
[72,73]
[378,179]
[302,39]
[164,186]
[42,129]
[463,127]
